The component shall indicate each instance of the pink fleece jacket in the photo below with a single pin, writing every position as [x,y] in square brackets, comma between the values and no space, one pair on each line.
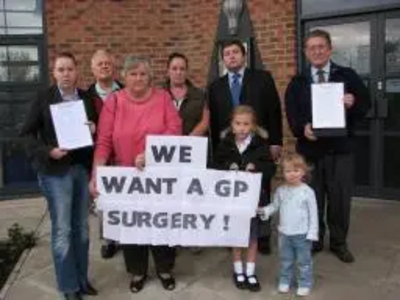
[124,125]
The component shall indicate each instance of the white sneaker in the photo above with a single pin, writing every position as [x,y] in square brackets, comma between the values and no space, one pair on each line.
[303,291]
[283,288]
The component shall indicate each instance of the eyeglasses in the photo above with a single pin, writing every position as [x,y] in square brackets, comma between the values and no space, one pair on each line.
[317,48]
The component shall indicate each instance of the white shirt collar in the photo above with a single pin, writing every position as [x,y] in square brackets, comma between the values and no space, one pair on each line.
[70,97]
[241,72]
[243,145]
[326,69]
[103,93]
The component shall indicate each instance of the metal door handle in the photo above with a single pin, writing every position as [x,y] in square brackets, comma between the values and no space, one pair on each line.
[382,108]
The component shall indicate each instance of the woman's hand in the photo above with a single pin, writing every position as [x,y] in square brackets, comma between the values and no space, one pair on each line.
[92,127]
[57,153]
[93,188]
[140,161]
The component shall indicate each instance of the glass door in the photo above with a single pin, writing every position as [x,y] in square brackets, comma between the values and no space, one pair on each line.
[389,108]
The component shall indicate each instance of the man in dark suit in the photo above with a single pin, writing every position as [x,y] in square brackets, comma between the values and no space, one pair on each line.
[103,69]
[255,88]
[330,156]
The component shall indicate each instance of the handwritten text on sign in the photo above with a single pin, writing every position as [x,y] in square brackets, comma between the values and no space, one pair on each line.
[174,151]
[177,206]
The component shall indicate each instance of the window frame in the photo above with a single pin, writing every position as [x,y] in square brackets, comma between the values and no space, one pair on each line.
[343,12]
[36,41]
[5,11]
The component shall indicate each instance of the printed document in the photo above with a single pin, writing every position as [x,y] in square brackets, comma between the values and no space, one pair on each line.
[328,109]
[70,123]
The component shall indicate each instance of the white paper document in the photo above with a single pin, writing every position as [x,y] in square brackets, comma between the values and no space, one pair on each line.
[328,109]
[70,123]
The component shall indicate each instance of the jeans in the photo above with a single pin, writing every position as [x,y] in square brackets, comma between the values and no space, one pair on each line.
[295,249]
[67,198]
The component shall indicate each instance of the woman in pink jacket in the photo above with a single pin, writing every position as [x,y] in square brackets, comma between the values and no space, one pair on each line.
[128,116]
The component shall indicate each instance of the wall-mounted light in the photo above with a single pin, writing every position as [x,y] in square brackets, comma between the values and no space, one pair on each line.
[232,10]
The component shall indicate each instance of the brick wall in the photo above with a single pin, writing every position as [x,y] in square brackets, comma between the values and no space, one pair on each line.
[155,28]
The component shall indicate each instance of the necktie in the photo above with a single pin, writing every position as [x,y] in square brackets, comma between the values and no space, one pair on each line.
[321,76]
[235,89]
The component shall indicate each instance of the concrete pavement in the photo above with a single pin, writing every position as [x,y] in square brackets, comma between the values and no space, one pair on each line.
[374,239]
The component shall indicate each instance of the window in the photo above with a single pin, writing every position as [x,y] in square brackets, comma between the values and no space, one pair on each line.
[311,7]
[22,73]
[352,52]
[19,63]
[392,45]
[21,17]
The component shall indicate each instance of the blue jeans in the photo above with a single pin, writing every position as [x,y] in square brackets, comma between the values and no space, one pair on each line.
[67,198]
[295,250]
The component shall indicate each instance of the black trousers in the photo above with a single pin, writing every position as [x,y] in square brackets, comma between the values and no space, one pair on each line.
[265,228]
[332,180]
[137,258]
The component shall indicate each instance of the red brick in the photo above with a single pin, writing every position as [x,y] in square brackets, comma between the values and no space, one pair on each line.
[157,27]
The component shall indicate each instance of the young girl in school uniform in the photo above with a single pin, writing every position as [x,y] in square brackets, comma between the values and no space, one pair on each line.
[245,147]
[298,225]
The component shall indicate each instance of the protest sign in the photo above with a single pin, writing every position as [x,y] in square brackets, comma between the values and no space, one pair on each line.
[175,151]
[177,206]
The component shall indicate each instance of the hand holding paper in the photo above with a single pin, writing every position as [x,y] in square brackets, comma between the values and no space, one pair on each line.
[348,100]
[71,125]
[308,133]
[57,153]
[140,161]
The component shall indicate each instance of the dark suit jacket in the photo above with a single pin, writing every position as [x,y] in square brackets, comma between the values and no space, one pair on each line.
[97,101]
[298,111]
[39,132]
[259,92]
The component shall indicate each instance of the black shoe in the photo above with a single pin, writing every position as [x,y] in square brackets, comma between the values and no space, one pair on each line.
[343,254]
[240,284]
[253,284]
[108,250]
[167,281]
[72,296]
[317,247]
[264,246]
[89,290]
[137,285]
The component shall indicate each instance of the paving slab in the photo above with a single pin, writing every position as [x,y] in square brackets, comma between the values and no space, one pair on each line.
[25,212]
[374,239]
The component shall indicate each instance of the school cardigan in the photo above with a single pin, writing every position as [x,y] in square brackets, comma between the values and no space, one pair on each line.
[125,123]
[257,153]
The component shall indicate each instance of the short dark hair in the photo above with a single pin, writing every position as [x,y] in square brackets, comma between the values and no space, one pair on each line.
[319,33]
[66,54]
[174,55]
[228,43]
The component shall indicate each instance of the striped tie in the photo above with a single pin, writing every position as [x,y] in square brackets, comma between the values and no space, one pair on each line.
[321,76]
